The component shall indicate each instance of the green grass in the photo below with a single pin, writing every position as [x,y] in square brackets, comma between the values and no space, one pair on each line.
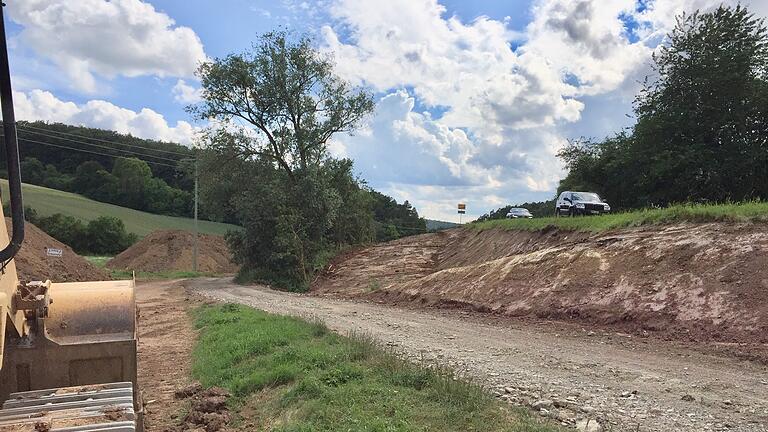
[49,201]
[101,262]
[755,211]
[98,261]
[286,374]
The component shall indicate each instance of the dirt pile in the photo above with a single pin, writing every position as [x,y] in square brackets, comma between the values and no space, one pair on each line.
[33,262]
[208,408]
[172,251]
[690,282]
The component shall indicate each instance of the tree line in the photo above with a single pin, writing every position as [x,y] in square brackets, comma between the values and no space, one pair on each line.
[701,133]
[104,235]
[702,121]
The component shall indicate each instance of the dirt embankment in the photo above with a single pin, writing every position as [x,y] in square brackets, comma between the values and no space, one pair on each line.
[34,263]
[703,282]
[172,251]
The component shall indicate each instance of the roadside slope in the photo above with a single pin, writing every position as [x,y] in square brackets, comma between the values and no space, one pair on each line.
[702,282]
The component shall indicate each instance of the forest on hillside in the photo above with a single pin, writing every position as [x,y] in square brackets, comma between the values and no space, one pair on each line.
[148,175]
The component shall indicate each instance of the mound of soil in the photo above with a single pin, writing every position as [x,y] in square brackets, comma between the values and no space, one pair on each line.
[33,263]
[702,282]
[172,251]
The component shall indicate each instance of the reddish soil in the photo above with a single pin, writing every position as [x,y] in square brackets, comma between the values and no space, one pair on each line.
[172,251]
[33,263]
[705,282]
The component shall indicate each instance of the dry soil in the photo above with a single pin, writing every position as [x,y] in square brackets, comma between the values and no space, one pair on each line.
[172,251]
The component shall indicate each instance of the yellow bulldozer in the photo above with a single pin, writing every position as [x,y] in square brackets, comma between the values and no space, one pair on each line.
[67,350]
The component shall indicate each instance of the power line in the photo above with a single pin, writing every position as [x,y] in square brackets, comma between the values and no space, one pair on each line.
[133,153]
[104,141]
[88,151]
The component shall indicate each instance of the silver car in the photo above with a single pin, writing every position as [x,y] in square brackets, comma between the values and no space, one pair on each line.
[519,213]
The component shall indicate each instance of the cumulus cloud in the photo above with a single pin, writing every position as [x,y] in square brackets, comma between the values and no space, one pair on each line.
[185,93]
[43,105]
[418,149]
[86,38]
[508,104]
[504,101]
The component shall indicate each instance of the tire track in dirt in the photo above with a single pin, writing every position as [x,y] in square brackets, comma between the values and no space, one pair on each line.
[625,383]
[166,338]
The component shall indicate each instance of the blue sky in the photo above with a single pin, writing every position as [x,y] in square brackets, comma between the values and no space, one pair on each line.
[474,97]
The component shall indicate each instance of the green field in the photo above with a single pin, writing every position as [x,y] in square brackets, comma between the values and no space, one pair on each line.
[754,211]
[49,201]
[294,375]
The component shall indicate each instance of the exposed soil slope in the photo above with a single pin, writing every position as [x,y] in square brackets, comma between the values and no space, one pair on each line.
[172,251]
[33,263]
[692,282]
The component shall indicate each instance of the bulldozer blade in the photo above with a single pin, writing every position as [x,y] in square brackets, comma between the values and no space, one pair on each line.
[88,337]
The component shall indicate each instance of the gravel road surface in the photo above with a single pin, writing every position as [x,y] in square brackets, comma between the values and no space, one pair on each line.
[576,376]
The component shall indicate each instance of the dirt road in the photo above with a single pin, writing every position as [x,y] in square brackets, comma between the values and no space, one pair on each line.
[627,383]
[166,337]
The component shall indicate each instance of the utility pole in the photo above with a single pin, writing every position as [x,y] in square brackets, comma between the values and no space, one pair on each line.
[194,247]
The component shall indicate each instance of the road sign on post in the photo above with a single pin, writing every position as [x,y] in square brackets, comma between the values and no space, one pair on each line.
[462,209]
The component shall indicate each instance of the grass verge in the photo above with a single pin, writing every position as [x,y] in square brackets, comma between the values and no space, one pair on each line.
[697,213]
[101,262]
[287,374]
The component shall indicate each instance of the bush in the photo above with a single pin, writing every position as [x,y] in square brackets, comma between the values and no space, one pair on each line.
[105,235]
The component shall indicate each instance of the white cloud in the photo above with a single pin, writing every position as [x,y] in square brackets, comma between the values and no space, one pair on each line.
[42,105]
[508,105]
[418,150]
[86,38]
[185,93]
[506,101]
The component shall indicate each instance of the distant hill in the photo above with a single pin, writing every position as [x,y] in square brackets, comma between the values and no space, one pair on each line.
[436,225]
[49,201]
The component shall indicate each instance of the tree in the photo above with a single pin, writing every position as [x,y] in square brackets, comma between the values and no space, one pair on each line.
[286,94]
[106,235]
[133,177]
[33,170]
[703,123]
[88,177]
[266,161]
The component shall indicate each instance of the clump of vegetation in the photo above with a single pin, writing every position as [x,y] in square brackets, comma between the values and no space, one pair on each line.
[266,162]
[105,235]
[755,211]
[298,375]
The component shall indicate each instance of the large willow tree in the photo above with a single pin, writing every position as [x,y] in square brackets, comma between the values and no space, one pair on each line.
[274,109]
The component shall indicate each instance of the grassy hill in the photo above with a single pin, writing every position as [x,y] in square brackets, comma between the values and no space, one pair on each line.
[49,201]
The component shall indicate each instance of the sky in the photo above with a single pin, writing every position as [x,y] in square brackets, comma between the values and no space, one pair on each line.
[474,98]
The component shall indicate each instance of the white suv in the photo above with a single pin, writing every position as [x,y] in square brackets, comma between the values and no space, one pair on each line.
[580,203]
